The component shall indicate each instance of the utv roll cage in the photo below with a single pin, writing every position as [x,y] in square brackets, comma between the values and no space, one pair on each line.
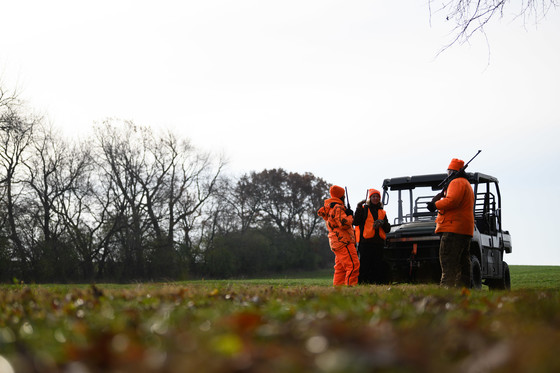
[487,206]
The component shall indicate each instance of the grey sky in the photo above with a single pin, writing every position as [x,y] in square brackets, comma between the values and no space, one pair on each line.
[350,91]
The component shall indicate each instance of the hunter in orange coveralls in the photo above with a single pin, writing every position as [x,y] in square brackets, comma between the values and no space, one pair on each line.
[341,237]
[455,223]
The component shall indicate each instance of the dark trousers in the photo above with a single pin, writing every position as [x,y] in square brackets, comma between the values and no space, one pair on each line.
[455,260]
[372,266]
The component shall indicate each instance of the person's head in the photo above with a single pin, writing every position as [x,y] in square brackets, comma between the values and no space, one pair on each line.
[374,197]
[337,192]
[455,166]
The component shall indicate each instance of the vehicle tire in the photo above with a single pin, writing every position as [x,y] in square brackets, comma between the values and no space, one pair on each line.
[506,277]
[503,283]
[476,273]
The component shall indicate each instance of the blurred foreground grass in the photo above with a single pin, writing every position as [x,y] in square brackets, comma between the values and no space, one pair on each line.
[282,325]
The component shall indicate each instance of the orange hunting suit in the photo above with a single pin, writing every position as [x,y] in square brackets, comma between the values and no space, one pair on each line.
[456,209]
[342,242]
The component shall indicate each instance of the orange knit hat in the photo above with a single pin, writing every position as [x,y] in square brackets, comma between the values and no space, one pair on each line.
[336,191]
[370,192]
[456,164]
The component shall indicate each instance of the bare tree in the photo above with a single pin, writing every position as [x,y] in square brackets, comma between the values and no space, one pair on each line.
[46,169]
[16,134]
[120,158]
[80,211]
[177,181]
[54,170]
[471,16]
[194,182]
[9,101]
[158,185]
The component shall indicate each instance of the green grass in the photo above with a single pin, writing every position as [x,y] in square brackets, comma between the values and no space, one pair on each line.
[522,277]
[535,277]
[292,324]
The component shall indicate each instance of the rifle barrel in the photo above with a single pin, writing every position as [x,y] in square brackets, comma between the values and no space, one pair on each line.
[462,169]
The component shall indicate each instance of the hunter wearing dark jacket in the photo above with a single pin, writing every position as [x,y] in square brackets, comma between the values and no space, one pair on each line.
[372,226]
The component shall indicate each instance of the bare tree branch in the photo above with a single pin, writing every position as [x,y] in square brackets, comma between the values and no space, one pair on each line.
[471,16]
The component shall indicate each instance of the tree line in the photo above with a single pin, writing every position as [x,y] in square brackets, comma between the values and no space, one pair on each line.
[130,204]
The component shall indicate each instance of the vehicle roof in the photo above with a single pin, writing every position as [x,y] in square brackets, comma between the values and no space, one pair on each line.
[432,180]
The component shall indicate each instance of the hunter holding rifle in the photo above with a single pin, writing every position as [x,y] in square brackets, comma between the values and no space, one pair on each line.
[455,224]
[338,219]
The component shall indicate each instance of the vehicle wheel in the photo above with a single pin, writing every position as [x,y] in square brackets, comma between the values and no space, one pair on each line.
[476,273]
[506,277]
[503,283]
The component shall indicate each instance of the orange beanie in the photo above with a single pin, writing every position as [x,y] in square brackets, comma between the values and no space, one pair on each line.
[456,164]
[336,191]
[371,192]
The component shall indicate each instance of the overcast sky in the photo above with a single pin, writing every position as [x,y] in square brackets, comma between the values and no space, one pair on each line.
[352,91]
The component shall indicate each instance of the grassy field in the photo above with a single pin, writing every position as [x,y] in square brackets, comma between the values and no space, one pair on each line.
[535,277]
[295,324]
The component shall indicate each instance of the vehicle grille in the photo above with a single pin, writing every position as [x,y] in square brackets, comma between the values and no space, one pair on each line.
[399,250]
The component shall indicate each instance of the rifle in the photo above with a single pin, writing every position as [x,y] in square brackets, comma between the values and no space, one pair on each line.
[347,199]
[450,178]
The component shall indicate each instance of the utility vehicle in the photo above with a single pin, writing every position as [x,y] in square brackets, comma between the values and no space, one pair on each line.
[412,248]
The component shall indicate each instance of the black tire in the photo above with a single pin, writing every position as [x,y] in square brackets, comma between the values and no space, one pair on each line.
[476,273]
[503,283]
[506,278]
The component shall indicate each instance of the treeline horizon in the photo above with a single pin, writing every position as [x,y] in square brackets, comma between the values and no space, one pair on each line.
[129,204]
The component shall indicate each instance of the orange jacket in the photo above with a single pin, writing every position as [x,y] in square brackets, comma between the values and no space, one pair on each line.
[369,230]
[456,208]
[339,224]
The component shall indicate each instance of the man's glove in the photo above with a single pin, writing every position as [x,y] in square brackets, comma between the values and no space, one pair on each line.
[431,206]
[437,197]
[349,212]
[377,223]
